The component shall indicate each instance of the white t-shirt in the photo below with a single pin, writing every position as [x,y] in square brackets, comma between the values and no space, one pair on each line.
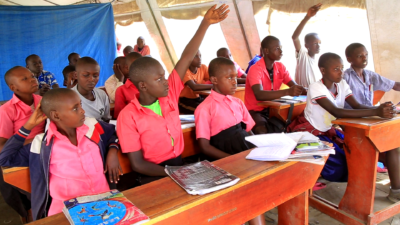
[314,113]
[99,108]
[307,71]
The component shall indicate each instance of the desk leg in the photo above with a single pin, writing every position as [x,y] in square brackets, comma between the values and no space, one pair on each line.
[294,211]
[362,158]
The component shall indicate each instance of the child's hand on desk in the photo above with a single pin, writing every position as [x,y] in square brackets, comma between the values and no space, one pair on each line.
[36,118]
[216,15]
[112,165]
[386,110]
[295,90]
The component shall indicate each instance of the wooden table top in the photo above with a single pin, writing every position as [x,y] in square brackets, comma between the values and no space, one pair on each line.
[367,123]
[278,105]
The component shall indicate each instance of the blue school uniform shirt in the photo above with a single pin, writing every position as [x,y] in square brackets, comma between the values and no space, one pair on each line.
[46,77]
[364,92]
[252,62]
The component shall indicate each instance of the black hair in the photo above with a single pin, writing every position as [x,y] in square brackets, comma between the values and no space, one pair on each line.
[70,56]
[68,69]
[133,56]
[219,52]
[139,69]
[85,60]
[325,58]
[9,72]
[352,47]
[215,65]
[119,59]
[29,57]
[126,49]
[310,37]
[54,97]
[267,41]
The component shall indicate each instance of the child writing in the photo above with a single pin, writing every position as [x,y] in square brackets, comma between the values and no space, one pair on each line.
[264,81]
[149,126]
[307,71]
[225,53]
[325,103]
[121,73]
[69,158]
[195,80]
[126,92]
[73,59]
[94,101]
[46,79]
[69,74]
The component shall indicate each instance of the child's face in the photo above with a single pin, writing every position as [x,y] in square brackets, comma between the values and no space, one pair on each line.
[70,76]
[225,54]
[23,82]
[140,43]
[88,76]
[35,65]
[274,51]
[313,46]
[196,60]
[334,70]
[155,83]
[226,80]
[359,58]
[74,59]
[70,113]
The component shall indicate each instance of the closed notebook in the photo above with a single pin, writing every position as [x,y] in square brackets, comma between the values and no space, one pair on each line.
[109,208]
[201,178]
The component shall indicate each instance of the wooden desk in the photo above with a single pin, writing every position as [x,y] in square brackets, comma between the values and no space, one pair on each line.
[281,110]
[238,94]
[262,186]
[19,176]
[377,96]
[364,139]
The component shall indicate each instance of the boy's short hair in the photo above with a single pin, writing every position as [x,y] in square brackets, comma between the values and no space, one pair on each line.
[119,59]
[267,41]
[215,65]
[70,56]
[140,67]
[85,60]
[68,69]
[325,58]
[309,37]
[219,52]
[9,72]
[29,58]
[133,56]
[54,97]
[350,49]
[127,49]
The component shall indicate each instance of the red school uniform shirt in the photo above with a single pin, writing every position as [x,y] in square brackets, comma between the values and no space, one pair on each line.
[258,74]
[139,128]
[123,96]
[200,77]
[14,114]
[219,112]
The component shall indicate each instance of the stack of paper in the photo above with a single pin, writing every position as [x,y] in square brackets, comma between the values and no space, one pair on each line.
[271,147]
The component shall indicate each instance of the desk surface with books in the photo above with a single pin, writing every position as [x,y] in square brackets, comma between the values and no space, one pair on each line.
[364,139]
[281,109]
[262,186]
[238,94]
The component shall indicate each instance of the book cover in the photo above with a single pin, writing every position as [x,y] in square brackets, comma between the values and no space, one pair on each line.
[107,208]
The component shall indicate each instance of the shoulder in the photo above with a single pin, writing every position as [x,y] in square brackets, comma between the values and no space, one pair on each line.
[47,73]
[102,94]
[343,83]
[280,66]
[317,86]
[204,67]
[7,108]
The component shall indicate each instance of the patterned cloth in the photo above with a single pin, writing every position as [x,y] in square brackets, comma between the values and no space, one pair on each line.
[46,77]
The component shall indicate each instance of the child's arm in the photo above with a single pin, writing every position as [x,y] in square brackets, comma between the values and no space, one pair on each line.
[140,165]
[396,86]
[212,16]
[310,13]
[198,87]
[2,142]
[262,95]
[210,150]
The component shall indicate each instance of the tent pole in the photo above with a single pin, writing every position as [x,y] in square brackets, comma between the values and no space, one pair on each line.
[242,28]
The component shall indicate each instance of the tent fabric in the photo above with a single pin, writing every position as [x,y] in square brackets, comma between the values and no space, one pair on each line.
[53,32]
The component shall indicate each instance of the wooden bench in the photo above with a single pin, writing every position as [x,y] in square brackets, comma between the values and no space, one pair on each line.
[238,94]
[262,186]
[281,110]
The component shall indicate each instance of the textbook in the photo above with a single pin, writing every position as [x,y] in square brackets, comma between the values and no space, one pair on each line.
[109,208]
[290,99]
[272,147]
[201,178]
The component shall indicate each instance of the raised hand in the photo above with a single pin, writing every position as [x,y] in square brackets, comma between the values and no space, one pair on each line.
[313,10]
[36,118]
[214,15]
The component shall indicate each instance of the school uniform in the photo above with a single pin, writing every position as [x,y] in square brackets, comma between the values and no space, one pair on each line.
[225,121]
[307,70]
[154,129]
[270,81]
[59,169]
[252,62]
[239,70]
[188,100]
[123,96]
[143,51]
[111,85]
[364,91]
[99,108]
[46,77]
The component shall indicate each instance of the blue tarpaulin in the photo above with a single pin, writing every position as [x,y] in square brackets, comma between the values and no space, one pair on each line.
[53,32]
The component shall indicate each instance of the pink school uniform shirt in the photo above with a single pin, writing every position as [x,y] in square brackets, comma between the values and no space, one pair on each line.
[239,70]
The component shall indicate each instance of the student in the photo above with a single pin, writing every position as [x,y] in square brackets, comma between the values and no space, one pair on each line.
[13,115]
[241,75]
[46,79]
[69,158]
[128,49]
[196,79]
[121,73]
[254,60]
[364,82]
[264,81]
[149,126]
[307,71]
[128,91]
[325,103]
[69,74]
[73,58]
[94,100]
[141,47]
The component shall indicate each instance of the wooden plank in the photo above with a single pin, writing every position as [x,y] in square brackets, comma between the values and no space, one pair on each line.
[367,123]
[294,211]
[18,176]
[263,186]
[281,110]
[377,96]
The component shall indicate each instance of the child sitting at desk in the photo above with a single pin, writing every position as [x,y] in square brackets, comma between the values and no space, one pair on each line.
[195,80]
[264,81]
[68,160]
[241,75]
[325,103]
[94,100]
[121,73]
[149,126]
